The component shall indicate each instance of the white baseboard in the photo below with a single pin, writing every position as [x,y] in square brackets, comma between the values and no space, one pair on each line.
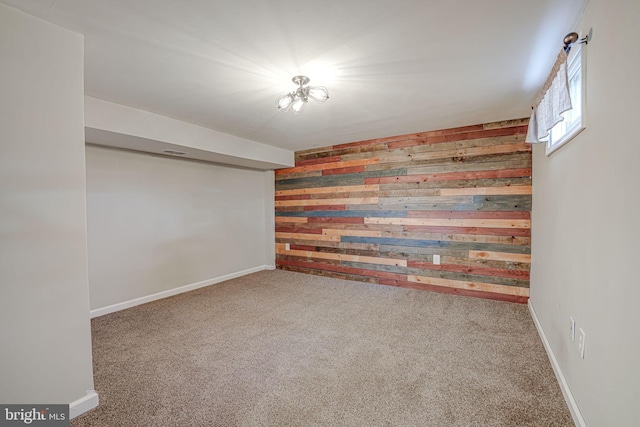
[84,404]
[568,396]
[270,267]
[171,292]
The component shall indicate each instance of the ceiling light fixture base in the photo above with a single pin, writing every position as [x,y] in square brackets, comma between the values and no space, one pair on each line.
[300,80]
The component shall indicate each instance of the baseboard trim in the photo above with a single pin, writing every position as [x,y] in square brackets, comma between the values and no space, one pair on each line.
[564,386]
[270,267]
[84,404]
[171,292]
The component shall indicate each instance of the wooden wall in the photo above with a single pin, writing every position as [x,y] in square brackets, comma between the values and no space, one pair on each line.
[379,210]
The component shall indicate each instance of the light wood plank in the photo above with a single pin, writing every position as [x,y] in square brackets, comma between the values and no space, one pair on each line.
[452,222]
[475,286]
[506,161]
[342,232]
[482,191]
[325,166]
[411,150]
[435,200]
[359,246]
[304,236]
[500,256]
[341,257]
[463,152]
[298,175]
[329,190]
[320,202]
[295,219]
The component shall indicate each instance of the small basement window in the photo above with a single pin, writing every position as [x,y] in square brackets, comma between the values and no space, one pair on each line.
[573,122]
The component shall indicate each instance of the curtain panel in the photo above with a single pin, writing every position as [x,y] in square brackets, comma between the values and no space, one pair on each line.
[551,102]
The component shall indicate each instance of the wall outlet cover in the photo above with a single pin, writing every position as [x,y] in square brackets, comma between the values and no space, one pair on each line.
[581,342]
[572,326]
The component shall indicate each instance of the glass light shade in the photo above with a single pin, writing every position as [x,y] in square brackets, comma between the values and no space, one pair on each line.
[318,93]
[284,102]
[297,105]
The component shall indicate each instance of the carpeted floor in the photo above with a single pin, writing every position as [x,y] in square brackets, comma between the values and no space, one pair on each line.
[278,348]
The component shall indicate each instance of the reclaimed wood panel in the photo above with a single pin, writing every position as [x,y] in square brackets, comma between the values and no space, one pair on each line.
[361,233]
[499,256]
[309,236]
[340,257]
[325,166]
[331,190]
[460,284]
[476,191]
[282,219]
[316,202]
[378,211]
[453,222]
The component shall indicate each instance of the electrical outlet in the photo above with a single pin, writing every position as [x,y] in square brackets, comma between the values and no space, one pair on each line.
[436,259]
[581,339]
[287,247]
[572,331]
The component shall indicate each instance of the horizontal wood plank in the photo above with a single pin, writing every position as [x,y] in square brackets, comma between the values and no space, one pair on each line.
[340,171]
[329,190]
[476,191]
[290,219]
[452,222]
[451,176]
[470,269]
[342,257]
[304,236]
[499,256]
[477,286]
[325,166]
[344,269]
[348,232]
[328,202]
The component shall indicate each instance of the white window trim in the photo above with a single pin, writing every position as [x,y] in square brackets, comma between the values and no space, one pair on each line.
[552,148]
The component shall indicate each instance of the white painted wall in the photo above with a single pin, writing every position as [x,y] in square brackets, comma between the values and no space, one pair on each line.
[45,349]
[586,206]
[156,224]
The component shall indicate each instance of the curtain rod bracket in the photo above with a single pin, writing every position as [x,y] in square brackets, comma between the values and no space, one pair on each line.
[572,38]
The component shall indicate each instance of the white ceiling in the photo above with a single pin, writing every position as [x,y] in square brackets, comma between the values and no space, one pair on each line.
[391,66]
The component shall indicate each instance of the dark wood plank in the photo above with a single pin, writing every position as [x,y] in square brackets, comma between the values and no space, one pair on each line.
[308,162]
[332,220]
[325,208]
[340,171]
[481,271]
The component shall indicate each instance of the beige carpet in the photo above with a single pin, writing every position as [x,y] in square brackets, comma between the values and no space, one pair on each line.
[280,348]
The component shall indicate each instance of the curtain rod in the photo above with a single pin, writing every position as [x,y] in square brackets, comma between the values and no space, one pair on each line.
[572,38]
[569,40]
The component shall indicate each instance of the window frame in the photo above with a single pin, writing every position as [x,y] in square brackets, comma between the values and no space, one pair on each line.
[577,59]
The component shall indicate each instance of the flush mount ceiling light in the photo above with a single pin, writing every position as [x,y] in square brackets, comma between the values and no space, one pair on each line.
[295,100]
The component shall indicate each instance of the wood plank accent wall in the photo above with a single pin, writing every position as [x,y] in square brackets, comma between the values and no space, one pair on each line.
[379,210]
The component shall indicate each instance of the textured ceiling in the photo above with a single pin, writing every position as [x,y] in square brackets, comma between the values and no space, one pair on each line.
[391,67]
